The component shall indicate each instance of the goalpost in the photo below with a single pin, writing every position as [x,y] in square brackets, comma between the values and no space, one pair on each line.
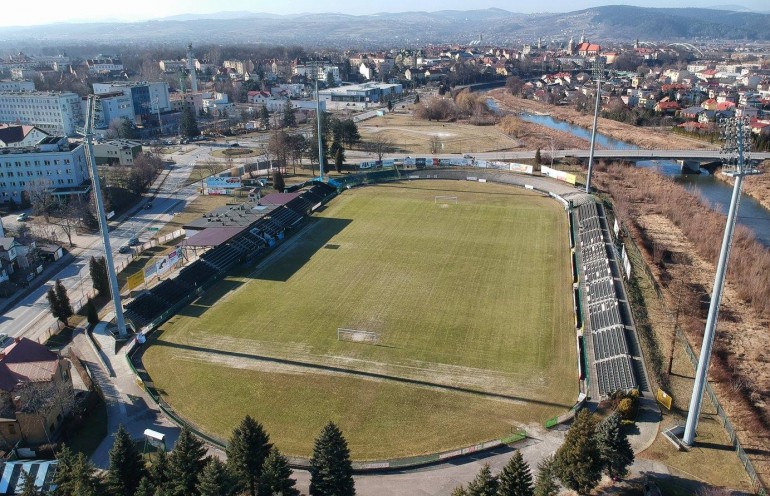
[445,199]
[357,336]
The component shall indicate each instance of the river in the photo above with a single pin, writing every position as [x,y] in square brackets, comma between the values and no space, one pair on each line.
[717,193]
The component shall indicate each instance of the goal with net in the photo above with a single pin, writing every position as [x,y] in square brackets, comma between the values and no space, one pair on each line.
[357,336]
[445,199]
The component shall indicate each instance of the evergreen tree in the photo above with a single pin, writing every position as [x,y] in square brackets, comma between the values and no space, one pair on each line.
[264,117]
[53,303]
[160,471]
[188,124]
[60,302]
[185,463]
[289,117]
[339,158]
[331,472]
[75,475]
[28,483]
[390,105]
[417,98]
[145,488]
[485,484]
[577,461]
[278,183]
[91,314]
[247,450]
[98,270]
[276,476]
[538,158]
[216,480]
[545,484]
[614,448]
[126,465]
[516,478]
[459,491]
[349,132]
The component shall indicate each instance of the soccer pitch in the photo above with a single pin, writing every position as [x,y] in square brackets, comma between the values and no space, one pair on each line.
[470,302]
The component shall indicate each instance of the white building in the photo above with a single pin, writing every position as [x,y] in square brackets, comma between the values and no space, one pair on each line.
[57,113]
[147,98]
[103,65]
[319,71]
[288,89]
[172,65]
[359,95]
[6,85]
[109,107]
[53,164]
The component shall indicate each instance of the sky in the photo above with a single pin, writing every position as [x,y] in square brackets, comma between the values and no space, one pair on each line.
[52,11]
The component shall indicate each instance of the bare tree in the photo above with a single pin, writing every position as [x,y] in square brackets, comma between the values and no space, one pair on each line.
[40,197]
[379,145]
[435,144]
[67,219]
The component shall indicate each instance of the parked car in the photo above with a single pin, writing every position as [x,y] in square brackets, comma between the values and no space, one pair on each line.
[133,241]
[124,249]
[22,217]
[3,338]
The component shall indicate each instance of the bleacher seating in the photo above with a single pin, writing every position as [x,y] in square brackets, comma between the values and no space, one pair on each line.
[169,291]
[196,274]
[614,370]
[285,217]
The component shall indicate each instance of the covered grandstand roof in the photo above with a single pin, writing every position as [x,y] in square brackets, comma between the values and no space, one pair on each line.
[241,215]
[213,236]
[279,198]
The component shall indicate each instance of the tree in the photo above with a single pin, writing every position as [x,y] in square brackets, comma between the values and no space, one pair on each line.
[380,145]
[122,128]
[577,461]
[126,465]
[246,452]
[417,98]
[264,117]
[435,144]
[349,132]
[216,480]
[390,105]
[186,462]
[188,124]
[278,147]
[276,476]
[75,475]
[330,82]
[160,471]
[614,448]
[28,483]
[331,471]
[145,488]
[485,484]
[40,198]
[545,484]
[98,270]
[67,219]
[339,155]
[289,117]
[278,183]
[538,157]
[515,478]
[59,302]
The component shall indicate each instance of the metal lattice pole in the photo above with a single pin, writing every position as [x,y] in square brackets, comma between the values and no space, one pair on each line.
[318,123]
[737,138]
[104,228]
[598,72]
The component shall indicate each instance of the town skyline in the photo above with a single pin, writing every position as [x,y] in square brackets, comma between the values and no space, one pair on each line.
[145,10]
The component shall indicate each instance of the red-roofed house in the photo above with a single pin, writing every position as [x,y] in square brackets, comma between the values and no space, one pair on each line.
[722,106]
[35,394]
[669,107]
[13,135]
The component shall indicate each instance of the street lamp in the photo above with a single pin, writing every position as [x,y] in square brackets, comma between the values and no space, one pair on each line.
[737,138]
[598,72]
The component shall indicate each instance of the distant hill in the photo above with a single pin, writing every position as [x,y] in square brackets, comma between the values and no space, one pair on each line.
[417,28]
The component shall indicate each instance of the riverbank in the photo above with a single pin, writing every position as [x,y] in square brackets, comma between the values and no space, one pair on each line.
[757,187]
[679,239]
[649,138]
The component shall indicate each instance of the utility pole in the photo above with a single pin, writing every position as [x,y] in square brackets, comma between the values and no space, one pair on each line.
[598,72]
[737,135]
[318,122]
[104,229]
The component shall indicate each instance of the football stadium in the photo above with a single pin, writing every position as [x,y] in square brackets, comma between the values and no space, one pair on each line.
[420,315]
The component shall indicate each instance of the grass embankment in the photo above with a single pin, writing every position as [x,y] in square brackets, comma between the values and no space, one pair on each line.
[473,295]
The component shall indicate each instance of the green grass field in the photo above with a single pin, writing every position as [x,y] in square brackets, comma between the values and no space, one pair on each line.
[471,303]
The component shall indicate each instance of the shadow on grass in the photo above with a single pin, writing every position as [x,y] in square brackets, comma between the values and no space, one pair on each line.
[297,254]
[360,373]
[210,298]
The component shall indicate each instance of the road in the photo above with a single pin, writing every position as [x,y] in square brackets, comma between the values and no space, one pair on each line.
[31,316]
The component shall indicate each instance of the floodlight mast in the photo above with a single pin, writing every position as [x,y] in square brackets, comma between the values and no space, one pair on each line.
[598,72]
[737,136]
[318,123]
[103,226]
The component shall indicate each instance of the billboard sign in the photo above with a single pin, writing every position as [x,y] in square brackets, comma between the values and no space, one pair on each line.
[217,182]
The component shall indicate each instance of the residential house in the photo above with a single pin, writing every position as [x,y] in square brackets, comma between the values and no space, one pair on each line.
[36,394]
[20,136]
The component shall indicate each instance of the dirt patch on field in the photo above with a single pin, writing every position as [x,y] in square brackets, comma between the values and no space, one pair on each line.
[298,358]
[642,137]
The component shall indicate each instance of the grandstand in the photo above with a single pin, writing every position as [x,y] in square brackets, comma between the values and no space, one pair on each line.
[604,332]
[240,235]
